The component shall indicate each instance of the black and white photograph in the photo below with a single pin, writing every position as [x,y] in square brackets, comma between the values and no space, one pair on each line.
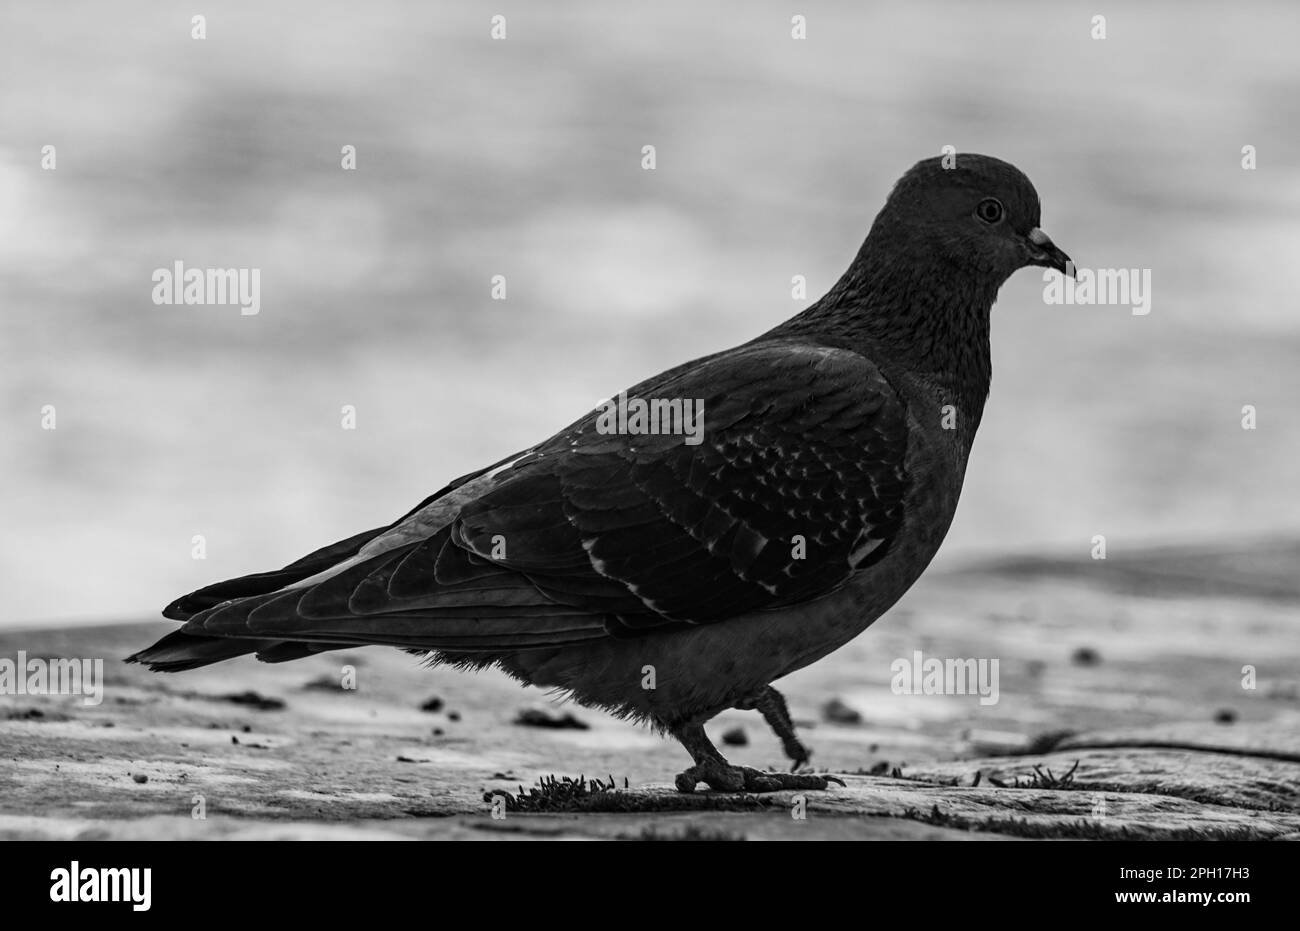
[635,421]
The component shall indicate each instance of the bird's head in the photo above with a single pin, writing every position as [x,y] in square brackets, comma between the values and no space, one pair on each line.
[980,215]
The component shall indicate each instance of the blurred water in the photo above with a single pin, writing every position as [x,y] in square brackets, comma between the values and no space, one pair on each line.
[522,158]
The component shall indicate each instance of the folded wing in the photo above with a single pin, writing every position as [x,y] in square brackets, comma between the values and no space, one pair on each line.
[798,480]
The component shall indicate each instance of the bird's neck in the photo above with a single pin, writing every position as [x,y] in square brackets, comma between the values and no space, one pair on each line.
[926,319]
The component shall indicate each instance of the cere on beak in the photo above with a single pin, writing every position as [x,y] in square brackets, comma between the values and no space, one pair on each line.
[1044,252]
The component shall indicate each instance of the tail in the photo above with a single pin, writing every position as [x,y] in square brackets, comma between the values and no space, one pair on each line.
[179,651]
[263,583]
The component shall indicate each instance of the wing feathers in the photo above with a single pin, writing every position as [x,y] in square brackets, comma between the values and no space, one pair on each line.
[592,534]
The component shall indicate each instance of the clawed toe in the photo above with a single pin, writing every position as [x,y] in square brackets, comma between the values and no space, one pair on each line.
[758,781]
[719,777]
[725,778]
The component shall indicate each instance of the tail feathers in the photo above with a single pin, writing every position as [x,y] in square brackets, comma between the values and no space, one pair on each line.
[288,650]
[185,607]
[260,583]
[179,651]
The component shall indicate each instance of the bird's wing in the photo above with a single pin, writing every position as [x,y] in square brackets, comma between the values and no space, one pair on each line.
[798,480]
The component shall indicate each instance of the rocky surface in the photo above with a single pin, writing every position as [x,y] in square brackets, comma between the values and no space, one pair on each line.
[1123,710]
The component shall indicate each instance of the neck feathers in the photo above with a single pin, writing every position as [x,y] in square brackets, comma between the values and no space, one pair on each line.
[928,319]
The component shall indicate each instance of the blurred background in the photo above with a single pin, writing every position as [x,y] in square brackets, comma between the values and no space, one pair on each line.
[522,158]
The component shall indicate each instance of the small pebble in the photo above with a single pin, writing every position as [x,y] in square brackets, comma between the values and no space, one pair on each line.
[545,717]
[838,712]
[322,684]
[735,737]
[140,777]
[255,700]
[1085,656]
[1225,716]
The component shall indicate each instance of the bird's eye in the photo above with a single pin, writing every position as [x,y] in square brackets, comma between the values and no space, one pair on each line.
[989,210]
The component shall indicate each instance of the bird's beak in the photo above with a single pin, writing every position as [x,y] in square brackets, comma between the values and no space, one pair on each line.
[1044,252]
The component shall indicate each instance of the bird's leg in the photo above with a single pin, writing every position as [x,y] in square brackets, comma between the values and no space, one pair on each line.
[771,705]
[712,769]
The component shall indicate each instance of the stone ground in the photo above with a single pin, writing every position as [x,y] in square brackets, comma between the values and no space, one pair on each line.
[1121,714]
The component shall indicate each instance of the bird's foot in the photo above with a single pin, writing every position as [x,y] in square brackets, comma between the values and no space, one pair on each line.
[771,704]
[723,777]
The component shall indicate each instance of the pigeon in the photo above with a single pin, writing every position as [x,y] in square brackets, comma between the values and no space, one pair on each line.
[664,576]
